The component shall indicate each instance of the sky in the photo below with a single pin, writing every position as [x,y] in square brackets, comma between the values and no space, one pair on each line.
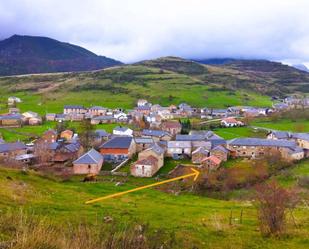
[133,30]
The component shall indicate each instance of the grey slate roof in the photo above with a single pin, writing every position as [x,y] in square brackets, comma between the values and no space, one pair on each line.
[221,148]
[303,136]
[72,147]
[74,107]
[155,133]
[179,144]
[11,116]
[207,134]
[197,137]
[281,134]
[216,142]
[201,150]
[8,147]
[90,157]
[143,140]
[53,146]
[120,142]
[262,142]
[107,117]
[157,149]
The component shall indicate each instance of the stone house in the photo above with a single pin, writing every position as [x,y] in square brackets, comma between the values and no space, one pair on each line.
[145,110]
[11,150]
[100,136]
[89,163]
[103,120]
[179,148]
[67,152]
[143,143]
[156,151]
[76,109]
[118,149]
[146,167]
[97,111]
[67,135]
[204,144]
[11,120]
[50,116]
[211,163]
[220,152]
[62,117]
[49,136]
[278,135]
[157,135]
[35,121]
[258,147]
[199,154]
[172,127]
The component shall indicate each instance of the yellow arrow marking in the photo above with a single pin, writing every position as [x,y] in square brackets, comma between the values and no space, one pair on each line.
[195,174]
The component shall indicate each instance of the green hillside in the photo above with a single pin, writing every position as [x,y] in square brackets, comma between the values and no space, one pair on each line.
[190,221]
[167,80]
[121,87]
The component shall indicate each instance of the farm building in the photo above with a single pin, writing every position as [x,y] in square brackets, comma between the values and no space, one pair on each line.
[89,163]
[118,148]
[199,154]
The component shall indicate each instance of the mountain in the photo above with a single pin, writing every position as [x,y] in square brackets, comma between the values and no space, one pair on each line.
[33,54]
[268,77]
[215,61]
[175,64]
[301,67]
[166,80]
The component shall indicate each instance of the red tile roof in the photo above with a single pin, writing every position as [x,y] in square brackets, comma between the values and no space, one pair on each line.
[230,120]
[150,160]
[213,159]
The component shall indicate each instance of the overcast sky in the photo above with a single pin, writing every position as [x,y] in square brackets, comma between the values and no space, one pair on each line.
[132,30]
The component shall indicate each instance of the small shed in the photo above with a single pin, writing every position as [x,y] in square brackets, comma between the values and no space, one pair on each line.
[89,163]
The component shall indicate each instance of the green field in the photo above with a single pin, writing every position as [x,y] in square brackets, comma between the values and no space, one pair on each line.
[119,87]
[27,132]
[300,125]
[196,222]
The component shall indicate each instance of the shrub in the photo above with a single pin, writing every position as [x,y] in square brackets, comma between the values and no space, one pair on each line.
[273,201]
[303,181]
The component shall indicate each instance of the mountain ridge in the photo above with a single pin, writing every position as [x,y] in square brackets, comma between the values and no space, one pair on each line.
[22,54]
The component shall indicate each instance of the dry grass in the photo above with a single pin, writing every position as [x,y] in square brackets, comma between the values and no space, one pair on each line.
[24,231]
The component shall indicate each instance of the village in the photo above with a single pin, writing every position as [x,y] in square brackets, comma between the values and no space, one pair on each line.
[144,138]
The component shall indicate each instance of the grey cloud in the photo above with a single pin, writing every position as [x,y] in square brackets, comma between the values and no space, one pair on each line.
[141,29]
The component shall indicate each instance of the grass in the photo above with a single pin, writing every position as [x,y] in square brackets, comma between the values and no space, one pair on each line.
[283,124]
[238,132]
[119,87]
[26,132]
[197,222]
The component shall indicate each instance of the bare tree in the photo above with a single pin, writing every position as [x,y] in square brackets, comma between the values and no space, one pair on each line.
[86,134]
[273,203]
[42,152]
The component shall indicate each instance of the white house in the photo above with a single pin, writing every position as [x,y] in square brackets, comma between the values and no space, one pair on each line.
[142,102]
[179,148]
[12,100]
[30,114]
[231,122]
[123,131]
[120,116]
